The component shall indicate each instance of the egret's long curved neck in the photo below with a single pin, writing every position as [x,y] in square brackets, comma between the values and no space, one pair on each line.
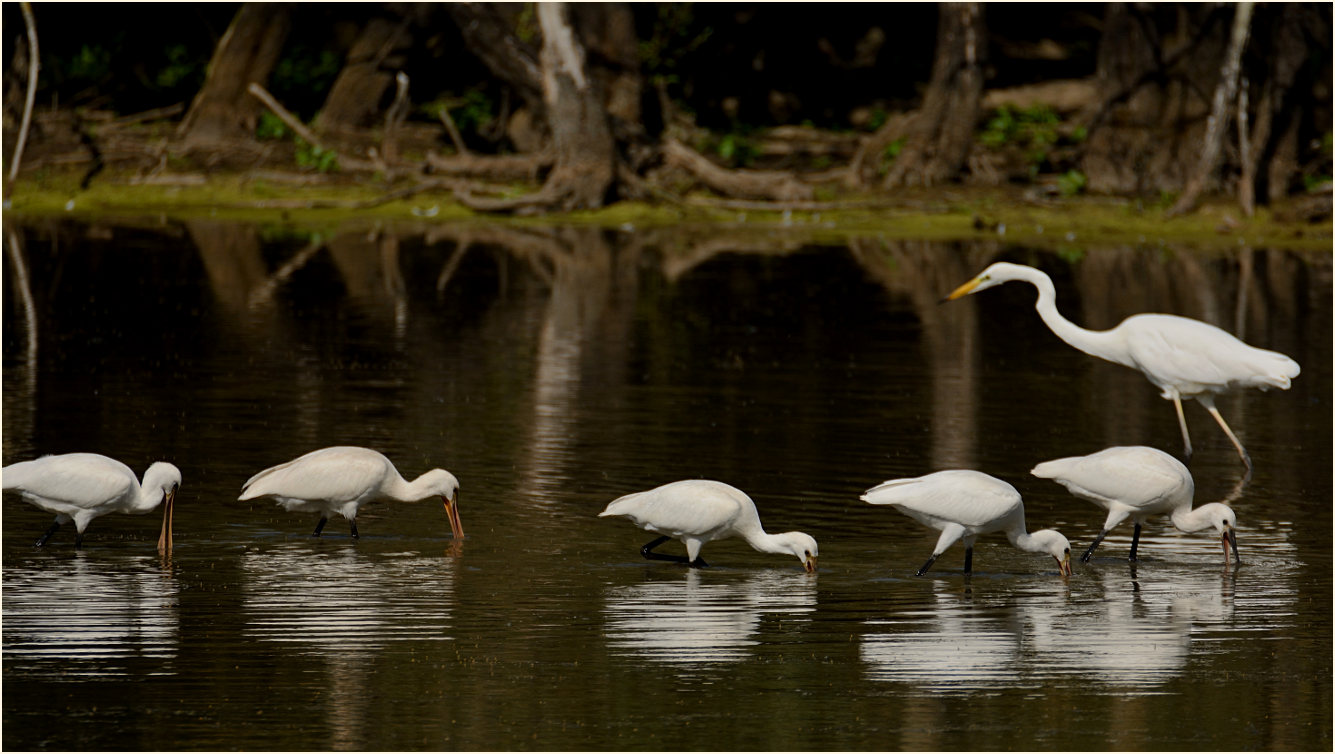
[1093,342]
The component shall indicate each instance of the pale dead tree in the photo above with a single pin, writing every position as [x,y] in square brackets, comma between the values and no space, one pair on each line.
[1225,93]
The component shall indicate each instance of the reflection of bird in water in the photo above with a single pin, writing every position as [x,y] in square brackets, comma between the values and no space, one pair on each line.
[339,479]
[79,487]
[697,511]
[1184,358]
[961,503]
[1139,482]
[684,621]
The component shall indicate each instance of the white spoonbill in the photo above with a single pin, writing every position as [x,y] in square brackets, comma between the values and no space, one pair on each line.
[1139,482]
[961,503]
[79,487]
[697,511]
[339,479]
[1184,358]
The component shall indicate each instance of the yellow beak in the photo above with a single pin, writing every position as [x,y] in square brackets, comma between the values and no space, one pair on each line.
[1064,565]
[963,290]
[810,564]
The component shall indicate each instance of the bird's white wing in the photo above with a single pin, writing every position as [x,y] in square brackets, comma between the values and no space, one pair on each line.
[966,497]
[691,507]
[79,478]
[326,474]
[1195,357]
[1135,475]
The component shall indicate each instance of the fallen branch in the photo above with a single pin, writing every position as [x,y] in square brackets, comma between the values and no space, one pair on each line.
[348,163]
[504,167]
[750,184]
[157,113]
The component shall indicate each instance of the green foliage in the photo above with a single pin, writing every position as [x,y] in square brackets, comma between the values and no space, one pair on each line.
[303,69]
[1071,182]
[313,157]
[271,128]
[179,68]
[1034,130]
[879,116]
[91,63]
[473,112]
[737,149]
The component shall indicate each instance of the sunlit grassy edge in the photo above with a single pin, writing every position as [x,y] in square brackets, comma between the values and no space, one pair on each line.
[947,214]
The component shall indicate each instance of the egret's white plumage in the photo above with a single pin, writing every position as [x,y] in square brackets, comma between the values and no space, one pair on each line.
[697,511]
[1185,358]
[339,479]
[79,487]
[1137,482]
[963,504]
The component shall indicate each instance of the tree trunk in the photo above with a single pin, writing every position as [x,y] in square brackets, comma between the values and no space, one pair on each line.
[1225,92]
[582,144]
[248,51]
[354,99]
[941,134]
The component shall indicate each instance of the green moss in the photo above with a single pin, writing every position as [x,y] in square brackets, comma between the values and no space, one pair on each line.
[951,214]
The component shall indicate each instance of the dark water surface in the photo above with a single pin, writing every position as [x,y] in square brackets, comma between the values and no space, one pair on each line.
[554,370]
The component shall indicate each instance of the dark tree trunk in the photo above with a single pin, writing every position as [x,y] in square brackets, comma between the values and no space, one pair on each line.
[354,99]
[224,110]
[941,134]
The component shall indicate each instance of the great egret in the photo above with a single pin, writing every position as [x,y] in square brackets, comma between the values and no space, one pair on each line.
[79,487]
[1139,482]
[339,479]
[1184,358]
[961,503]
[697,511]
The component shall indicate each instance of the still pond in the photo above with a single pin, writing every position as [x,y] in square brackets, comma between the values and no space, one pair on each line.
[555,369]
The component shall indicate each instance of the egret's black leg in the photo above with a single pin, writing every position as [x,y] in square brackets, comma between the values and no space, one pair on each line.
[648,552]
[698,563]
[926,565]
[968,560]
[353,523]
[1135,540]
[42,542]
[320,526]
[1093,546]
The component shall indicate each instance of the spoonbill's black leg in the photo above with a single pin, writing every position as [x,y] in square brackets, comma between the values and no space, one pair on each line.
[968,560]
[1135,540]
[78,540]
[926,565]
[698,563]
[42,542]
[1094,545]
[353,523]
[648,552]
[320,526]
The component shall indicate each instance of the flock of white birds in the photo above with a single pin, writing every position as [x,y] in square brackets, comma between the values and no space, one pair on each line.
[1184,358]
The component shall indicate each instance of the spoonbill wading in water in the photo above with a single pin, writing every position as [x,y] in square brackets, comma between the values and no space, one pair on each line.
[79,487]
[1183,357]
[338,480]
[1137,482]
[697,511]
[963,504]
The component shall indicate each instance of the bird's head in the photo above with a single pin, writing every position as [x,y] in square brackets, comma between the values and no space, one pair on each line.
[801,545]
[166,478]
[1225,524]
[995,274]
[442,483]
[1055,544]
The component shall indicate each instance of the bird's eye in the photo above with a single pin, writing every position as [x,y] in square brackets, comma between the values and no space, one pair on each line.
[1068,551]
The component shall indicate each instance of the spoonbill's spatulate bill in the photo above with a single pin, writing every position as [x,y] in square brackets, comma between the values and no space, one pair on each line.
[338,480]
[1184,358]
[963,504]
[1137,482]
[697,511]
[79,487]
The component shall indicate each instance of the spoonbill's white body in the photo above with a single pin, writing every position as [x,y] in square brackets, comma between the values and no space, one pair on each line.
[697,511]
[79,487]
[339,479]
[1185,358]
[1137,482]
[962,504]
